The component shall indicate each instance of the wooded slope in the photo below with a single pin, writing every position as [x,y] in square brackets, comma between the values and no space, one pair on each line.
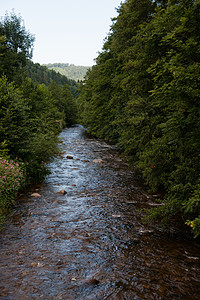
[144,94]
[69,70]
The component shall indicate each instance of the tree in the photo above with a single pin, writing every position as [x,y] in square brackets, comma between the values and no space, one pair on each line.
[144,94]
[14,121]
[17,46]
[64,102]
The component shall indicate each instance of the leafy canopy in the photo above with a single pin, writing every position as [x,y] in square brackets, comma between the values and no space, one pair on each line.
[143,93]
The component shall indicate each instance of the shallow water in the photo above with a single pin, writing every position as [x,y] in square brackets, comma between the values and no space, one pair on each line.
[90,243]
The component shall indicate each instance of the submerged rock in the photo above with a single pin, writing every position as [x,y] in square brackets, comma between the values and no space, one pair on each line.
[73,279]
[116,216]
[37,264]
[62,192]
[92,281]
[35,195]
[97,161]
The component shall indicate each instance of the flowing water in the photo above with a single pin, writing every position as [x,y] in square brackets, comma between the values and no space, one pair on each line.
[90,243]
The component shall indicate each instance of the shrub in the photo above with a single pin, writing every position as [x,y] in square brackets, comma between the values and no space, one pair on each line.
[12,180]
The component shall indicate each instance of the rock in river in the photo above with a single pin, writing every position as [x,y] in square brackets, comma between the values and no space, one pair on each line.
[97,161]
[62,192]
[35,195]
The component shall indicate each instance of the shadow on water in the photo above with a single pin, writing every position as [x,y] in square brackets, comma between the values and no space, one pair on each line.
[90,243]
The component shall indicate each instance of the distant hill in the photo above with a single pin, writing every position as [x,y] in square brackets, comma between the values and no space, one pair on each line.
[71,71]
[41,74]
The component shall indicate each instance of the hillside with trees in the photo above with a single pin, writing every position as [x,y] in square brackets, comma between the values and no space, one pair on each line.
[69,70]
[31,114]
[41,75]
[144,94]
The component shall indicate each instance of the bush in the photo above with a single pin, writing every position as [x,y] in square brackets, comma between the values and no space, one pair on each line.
[12,180]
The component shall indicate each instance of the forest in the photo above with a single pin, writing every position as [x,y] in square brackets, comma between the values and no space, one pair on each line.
[143,93]
[41,74]
[35,104]
[71,71]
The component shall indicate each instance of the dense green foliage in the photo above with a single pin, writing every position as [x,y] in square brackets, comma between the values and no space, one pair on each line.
[31,115]
[69,70]
[64,102]
[40,74]
[16,47]
[144,94]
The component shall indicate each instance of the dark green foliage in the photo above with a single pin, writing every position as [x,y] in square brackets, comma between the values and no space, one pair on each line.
[64,102]
[28,128]
[41,75]
[144,94]
[13,117]
[16,47]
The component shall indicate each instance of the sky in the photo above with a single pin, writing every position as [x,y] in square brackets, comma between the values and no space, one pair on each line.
[66,31]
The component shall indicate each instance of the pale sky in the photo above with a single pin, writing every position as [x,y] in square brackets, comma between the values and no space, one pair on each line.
[66,31]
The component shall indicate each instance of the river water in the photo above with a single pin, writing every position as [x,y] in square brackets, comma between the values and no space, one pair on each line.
[90,243]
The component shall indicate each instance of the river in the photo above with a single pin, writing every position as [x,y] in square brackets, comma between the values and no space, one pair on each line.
[90,243]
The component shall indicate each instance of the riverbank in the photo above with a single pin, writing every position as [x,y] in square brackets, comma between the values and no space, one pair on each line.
[15,177]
